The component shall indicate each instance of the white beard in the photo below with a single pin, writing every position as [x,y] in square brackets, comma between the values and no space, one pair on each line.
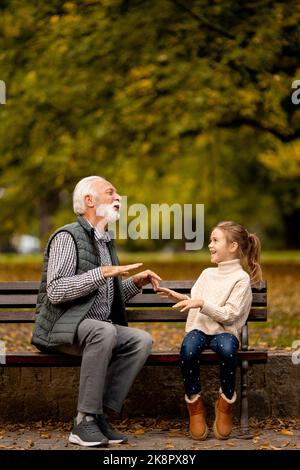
[108,212]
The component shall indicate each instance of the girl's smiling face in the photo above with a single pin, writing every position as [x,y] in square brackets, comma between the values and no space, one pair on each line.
[220,248]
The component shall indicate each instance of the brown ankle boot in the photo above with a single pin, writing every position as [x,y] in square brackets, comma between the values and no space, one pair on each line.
[198,426]
[223,422]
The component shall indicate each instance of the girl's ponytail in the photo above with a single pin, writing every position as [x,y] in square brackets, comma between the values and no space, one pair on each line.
[249,248]
[253,258]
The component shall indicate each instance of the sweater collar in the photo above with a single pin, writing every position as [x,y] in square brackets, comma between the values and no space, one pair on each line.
[228,267]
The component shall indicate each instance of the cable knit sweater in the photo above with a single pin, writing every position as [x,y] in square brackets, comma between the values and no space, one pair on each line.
[226,292]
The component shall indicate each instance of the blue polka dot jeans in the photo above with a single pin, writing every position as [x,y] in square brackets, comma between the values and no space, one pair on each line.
[224,344]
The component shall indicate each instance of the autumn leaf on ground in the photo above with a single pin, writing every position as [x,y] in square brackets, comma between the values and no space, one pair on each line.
[139,432]
[30,442]
[231,444]
[286,432]
[285,444]
[265,445]
[176,434]
[207,447]
[45,435]
[169,446]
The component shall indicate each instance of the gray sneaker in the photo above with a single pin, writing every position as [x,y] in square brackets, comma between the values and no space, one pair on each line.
[87,433]
[113,436]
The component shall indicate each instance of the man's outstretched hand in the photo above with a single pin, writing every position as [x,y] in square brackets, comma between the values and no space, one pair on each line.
[110,271]
[140,279]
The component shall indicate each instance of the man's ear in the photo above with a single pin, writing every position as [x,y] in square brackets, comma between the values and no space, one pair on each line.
[89,200]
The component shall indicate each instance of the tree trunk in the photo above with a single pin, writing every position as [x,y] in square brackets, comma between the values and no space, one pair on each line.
[292,229]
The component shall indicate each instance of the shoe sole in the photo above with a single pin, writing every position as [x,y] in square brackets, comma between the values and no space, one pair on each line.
[74,439]
[118,441]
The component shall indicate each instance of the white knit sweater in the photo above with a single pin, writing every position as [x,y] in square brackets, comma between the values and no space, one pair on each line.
[226,292]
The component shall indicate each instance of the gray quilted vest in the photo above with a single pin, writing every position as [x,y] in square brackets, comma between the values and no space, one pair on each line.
[57,324]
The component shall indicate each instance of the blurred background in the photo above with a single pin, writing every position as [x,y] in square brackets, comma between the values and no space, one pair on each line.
[174,102]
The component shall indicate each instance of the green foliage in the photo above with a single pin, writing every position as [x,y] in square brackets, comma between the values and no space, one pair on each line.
[173,102]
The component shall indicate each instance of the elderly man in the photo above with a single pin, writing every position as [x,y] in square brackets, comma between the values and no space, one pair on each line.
[81,310]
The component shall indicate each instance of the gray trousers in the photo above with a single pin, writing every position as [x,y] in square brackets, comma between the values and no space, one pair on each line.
[112,356]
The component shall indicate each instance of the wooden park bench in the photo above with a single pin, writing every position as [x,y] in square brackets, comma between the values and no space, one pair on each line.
[18,300]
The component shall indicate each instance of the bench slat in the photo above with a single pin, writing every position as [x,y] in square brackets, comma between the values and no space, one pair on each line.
[169,315]
[181,285]
[33,286]
[134,315]
[156,358]
[16,286]
[185,286]
[13,300]
[143,300]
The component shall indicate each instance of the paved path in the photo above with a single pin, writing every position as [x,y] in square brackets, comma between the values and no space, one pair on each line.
[162,436]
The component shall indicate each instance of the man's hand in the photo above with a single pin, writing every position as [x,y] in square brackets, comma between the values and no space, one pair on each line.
[171,294]
[184,305]
[143,278]
[110,271]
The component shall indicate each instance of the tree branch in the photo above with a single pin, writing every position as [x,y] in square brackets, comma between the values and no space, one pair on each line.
[239,121]
[203,21]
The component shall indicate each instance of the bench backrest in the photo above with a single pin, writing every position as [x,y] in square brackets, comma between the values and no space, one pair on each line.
[18,300]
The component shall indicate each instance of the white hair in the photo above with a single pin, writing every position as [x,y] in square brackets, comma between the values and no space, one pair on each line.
[84,187]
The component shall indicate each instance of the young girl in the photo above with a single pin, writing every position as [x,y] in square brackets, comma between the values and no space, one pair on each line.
[218,308]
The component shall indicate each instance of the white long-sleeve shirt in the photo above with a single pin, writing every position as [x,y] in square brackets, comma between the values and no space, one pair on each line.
[227,295]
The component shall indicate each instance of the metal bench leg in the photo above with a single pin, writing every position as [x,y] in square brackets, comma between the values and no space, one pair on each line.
[244,398]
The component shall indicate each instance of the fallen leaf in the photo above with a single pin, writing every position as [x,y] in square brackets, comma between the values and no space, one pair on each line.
[169,446]
[265,445]
[231,444]
[176,434]
[139,431]
[286,444]
[286,432]
[209,447]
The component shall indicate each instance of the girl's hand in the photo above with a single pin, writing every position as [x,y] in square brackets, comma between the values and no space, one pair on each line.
[184,305]
[166,293]
[143,278]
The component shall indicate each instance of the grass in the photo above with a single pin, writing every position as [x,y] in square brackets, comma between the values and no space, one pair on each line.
[146,257]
